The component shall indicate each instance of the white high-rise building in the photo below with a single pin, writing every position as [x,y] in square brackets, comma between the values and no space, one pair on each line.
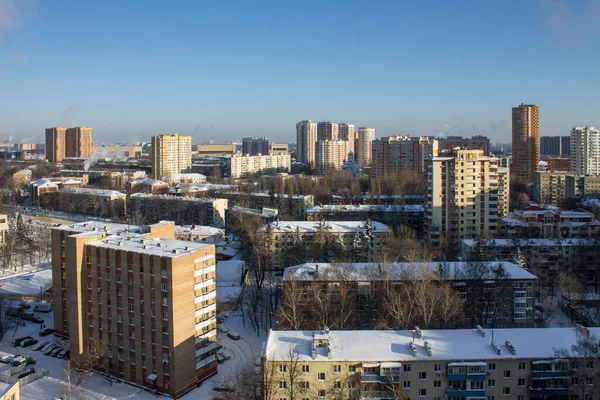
[306,142]
[585,150]
[363,146]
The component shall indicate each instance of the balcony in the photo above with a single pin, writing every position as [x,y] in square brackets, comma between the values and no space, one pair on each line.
[463,394]
[377,395]
[467,377]
[544,393]
[549,374]
[369,378]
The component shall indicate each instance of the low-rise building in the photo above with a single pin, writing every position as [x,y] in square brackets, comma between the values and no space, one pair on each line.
[175,179]
[364,284]
[199,233]
[582,186]
[452,364]
[120,180]
[409,216]
[147,185]
[3,227]
[377,199]
[21,178]
[288,206]
[183,210]
[543,223]
[245,165]
[347,235]
[43,186]
[558,164]
[141,300]
[236,216]
[230,284]
[95,202]
[215,150]
[546,258]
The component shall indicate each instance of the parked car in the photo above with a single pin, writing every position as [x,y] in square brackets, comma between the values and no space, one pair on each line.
[222,329]
[45,307]
[39,346]
[6,360]
[50,349]
[17,341]
[14,311]
[28,316]
[25,306]
[37,319]
[62,353]
[55,352]
[46,347]
[46,332]
[27,360]
[233,335]
[28,342]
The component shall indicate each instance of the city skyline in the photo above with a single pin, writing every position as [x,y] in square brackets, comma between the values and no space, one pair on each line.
[211,71]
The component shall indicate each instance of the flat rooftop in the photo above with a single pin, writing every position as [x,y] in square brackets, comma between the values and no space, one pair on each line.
[446,344]
[366,208]
[199,230]
[451,271]
[330,226]
[93,192]
[101,226]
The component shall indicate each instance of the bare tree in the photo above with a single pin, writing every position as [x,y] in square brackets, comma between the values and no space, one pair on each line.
[584,358]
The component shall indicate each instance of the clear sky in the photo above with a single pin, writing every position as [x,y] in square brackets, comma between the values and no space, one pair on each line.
[222,70]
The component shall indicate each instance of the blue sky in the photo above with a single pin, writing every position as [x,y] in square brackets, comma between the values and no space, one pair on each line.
[227,69]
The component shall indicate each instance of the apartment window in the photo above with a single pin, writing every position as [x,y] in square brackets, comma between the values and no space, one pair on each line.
[89,285]
[422,375]
[337,385]
[491,398]
[351,368]
[492,366]
[337,368]
[589,364]
[321,393]
[282,385]
[131,322]
[166,369]
[163,287]
[130,307]
[165,329]
[130,267]
[163,273]
[437,384]
[305,385]
[119,278]
[422,392]
[521,397]
[521,365]
[283,368]
[321,376]
[507,373]
[305,368]
[165,342]
[165,315]
[406,385]
[119,318]
[437,367]
[521,382]
[506,390]
[406,367]
[491,382]
[108,277]
[129,281]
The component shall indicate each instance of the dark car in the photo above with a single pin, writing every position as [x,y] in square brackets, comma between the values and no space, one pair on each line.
[46,332]
[25,306]
[55,352]
[28,342]
[17,341]
[28,372]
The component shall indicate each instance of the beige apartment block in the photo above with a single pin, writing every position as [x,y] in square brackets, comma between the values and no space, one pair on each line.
[55,144]
[278,148]
[549,187]
[97,202]
[215,150]
[21,178]
[582,186]
[463,197]
[476,364]
[78,142]
[11,392]
[525,142]
[128,151]
[143,300]
[363,147]
[327,130]
[171,154]
[242,166]
[347,132]
[394,154]
[331,154]
[306,142]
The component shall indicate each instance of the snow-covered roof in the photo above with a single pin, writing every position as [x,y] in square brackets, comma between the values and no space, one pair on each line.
[446,344]
[93,192]
[330,226]
[374,208]
[229,272]
[228,293]
[451,271]
[201,230]
[160,247]
[27,283]
[382,196]
[172,198]
[529,242]
[267,194]
[101,226]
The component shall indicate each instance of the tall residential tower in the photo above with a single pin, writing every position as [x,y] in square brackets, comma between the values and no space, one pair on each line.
[585,150]
[525,142]
[171,154]
[306,142]
[363,146]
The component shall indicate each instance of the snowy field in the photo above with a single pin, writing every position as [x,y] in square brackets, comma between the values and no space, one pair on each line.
[242,352]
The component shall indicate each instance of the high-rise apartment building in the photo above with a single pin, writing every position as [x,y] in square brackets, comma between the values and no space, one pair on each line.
[55,144]
[393,154]
[554,146]
[549,187]
[346,132]
[331,154]
[363,146]
[141,299]
[327,130]
[78,142]
[171,154]
[585,150]
[474,143]
[525,142]
[242,166]
[254,146]
[462,200]
[306,142]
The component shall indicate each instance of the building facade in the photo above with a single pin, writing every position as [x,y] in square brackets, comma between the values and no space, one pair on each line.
[254,146]
[21,178]
[171,154]
[555,146]
[363,146]
[331,154]
[462,198]
[96,202]
[215,150]
[525,142]
[347,132]
[144,301]
[288,206]
[306,142]
[242,166]
[585,150]
[394,154]
[474,143]
[55,144]
[549,187]
[429,364]
[78,142]
[582,187]
[327,130]
[180,209]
